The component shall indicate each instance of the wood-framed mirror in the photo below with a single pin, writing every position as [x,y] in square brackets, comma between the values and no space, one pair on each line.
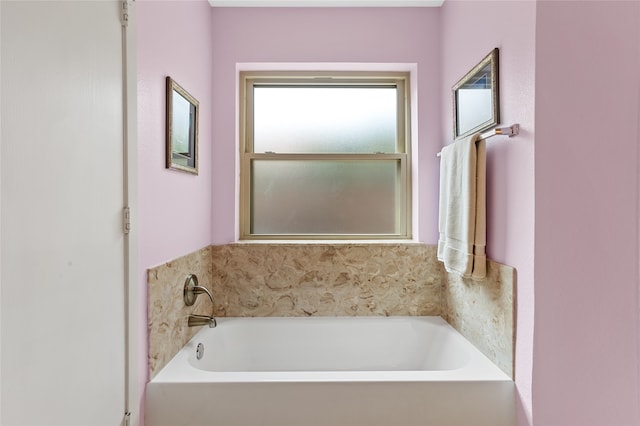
[182,129]
[476,98]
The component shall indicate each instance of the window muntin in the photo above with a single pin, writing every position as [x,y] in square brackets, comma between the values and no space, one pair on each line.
[324,157]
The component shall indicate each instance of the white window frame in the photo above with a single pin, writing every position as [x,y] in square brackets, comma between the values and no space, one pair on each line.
[400,79]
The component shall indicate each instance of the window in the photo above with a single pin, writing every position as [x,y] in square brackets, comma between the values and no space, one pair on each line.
[324,156]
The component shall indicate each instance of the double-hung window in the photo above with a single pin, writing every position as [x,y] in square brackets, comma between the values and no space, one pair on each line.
[324,156]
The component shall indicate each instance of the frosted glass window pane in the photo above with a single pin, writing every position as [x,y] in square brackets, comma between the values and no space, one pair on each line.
[325,197]
[325,119]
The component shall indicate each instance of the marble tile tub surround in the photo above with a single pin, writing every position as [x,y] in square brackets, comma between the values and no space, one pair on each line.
[329,280]
[326,280]
[167,313]
[483,312]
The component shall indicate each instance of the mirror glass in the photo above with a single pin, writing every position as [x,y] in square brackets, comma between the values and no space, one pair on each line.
[476,98]
[182,129]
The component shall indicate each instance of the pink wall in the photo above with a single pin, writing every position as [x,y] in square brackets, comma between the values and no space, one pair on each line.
[586,353]
[174,39]
[382,35]
[470,30]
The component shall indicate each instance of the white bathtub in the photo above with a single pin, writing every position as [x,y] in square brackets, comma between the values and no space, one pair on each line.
[323,371]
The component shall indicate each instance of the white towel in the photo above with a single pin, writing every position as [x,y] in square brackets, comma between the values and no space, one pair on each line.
[462,221]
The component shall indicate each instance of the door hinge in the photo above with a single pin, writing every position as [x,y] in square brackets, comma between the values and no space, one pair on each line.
[125,13]
[126,220]
[127,419]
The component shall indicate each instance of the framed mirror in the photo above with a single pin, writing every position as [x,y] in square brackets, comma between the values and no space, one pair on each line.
[476,98]
[182,129]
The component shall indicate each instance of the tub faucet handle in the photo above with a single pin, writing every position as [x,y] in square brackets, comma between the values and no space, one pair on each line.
[192,289]
[198,289]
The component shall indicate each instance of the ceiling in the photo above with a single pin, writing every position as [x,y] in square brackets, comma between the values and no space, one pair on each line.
[326,3]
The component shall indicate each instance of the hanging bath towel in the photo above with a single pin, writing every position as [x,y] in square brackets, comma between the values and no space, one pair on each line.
[462,221]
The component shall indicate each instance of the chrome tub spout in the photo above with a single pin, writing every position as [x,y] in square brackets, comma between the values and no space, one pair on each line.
[196,320]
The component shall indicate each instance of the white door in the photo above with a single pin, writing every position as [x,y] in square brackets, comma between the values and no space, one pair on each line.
[62,258]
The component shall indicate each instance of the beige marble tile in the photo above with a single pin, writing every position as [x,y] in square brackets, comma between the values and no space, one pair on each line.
[167,313]
[326,280]
[483,312]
